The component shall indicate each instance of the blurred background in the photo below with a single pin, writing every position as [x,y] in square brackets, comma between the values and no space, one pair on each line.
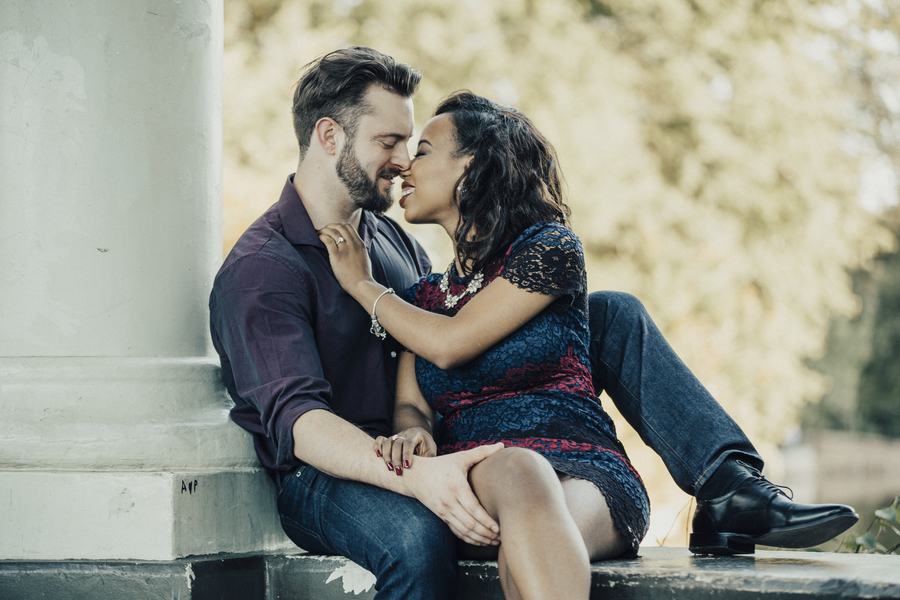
[733,163]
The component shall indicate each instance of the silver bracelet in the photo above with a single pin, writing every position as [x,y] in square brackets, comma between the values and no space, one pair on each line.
[376,329]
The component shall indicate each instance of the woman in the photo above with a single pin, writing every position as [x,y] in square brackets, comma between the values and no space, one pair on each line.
[499,347]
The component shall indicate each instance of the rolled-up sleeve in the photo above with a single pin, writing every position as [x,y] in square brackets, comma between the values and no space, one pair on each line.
[261,319]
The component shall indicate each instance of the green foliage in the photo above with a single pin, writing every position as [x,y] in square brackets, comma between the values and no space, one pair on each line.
[704,145]
[861,356]
[884,527]
[879,384]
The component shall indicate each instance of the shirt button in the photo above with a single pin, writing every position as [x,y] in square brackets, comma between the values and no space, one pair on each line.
[393,354]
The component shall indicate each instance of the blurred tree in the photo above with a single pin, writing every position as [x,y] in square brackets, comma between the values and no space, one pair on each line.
[848,350]
[861,357]
[705,144]
[879,385]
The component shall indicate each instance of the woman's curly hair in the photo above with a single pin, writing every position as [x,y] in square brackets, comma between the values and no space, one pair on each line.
[513,182]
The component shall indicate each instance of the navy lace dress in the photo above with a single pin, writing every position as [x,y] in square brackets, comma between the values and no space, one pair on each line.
[534,389]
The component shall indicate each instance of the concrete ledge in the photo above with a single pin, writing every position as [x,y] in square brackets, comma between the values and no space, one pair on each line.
[676,573]
[209,579]
[659,573]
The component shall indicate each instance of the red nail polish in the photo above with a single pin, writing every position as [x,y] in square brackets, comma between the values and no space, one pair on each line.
[390,467]
[406,464]
[397,471]
[378,453]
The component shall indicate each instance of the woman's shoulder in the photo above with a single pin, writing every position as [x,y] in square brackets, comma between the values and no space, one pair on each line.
[547,234]
[421,291]
[547,258]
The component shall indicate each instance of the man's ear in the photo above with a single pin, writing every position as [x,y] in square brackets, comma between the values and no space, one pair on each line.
[328,134]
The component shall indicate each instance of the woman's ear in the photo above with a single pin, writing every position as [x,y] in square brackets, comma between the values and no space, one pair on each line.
[467,160]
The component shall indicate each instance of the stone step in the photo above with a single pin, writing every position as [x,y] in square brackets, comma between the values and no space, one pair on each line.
[670,573]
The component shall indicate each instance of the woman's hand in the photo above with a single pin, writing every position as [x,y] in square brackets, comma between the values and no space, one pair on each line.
[398,450]
[347,254]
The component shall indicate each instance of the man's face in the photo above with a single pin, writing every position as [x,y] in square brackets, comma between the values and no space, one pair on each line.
[368,163]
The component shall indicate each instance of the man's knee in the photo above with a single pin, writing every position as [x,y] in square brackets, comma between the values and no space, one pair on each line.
[423,535]
[419,557]
[614,304]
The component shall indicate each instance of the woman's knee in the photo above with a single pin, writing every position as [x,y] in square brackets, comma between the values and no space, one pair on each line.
[516,474]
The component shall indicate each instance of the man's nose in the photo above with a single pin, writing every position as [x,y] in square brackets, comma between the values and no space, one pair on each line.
[401,157]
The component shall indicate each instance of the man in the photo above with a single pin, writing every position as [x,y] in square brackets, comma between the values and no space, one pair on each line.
[313,386]
[308,379]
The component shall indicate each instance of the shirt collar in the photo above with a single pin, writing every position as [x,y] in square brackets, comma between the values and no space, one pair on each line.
[298,228]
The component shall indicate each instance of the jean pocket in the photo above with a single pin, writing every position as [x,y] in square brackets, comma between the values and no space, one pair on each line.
[282,478]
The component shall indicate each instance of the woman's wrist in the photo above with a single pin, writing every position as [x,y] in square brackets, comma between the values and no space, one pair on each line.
[365,291]
[425,429]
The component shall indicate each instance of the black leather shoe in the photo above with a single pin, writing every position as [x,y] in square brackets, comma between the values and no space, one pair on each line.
[756,511]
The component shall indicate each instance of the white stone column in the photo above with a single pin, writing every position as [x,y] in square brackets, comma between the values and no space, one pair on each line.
[115,441]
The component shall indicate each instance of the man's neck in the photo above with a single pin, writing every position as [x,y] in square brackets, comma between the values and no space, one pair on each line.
[325,201]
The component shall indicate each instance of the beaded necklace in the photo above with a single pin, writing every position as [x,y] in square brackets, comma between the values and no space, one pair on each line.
[451,300]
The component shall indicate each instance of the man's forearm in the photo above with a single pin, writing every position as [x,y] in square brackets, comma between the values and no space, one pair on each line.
[340,449]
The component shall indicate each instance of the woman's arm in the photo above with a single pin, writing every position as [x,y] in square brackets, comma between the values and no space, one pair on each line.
[447,342]
[413,422]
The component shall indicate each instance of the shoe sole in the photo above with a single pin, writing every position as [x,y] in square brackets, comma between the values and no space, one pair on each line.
[793,537]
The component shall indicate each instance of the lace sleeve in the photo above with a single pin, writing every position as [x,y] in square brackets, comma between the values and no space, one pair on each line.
[547,258]
[412,292]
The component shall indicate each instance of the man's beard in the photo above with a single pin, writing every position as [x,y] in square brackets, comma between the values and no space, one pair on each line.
[364,191]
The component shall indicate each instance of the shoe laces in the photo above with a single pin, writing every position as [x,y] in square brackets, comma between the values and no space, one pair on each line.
[778,489]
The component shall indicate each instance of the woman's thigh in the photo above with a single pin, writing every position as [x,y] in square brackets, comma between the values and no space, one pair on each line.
[514,473]
[511,481]
[591,514]
[514,478]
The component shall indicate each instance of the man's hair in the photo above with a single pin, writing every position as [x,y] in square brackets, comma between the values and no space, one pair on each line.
[334,85]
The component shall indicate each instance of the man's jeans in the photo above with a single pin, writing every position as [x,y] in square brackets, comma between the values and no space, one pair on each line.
[411,552]
[657,394]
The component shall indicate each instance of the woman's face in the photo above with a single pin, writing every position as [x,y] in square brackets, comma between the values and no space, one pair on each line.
[429,187]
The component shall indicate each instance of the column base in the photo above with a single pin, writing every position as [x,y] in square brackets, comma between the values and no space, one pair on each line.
[127,458]
[137,515]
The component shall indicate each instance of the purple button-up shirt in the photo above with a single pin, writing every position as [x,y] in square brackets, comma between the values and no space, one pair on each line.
[291,340]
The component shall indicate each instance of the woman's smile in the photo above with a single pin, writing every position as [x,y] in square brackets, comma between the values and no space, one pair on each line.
[406,189]
[433,175]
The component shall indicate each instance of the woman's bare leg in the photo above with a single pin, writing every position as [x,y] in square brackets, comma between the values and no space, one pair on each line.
[589,510]
[542,553]
[470,552]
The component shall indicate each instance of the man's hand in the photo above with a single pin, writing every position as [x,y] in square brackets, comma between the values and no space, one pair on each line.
[442,485]
[340,449]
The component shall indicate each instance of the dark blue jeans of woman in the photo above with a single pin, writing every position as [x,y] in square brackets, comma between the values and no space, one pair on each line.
[658,395]
[411,552]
